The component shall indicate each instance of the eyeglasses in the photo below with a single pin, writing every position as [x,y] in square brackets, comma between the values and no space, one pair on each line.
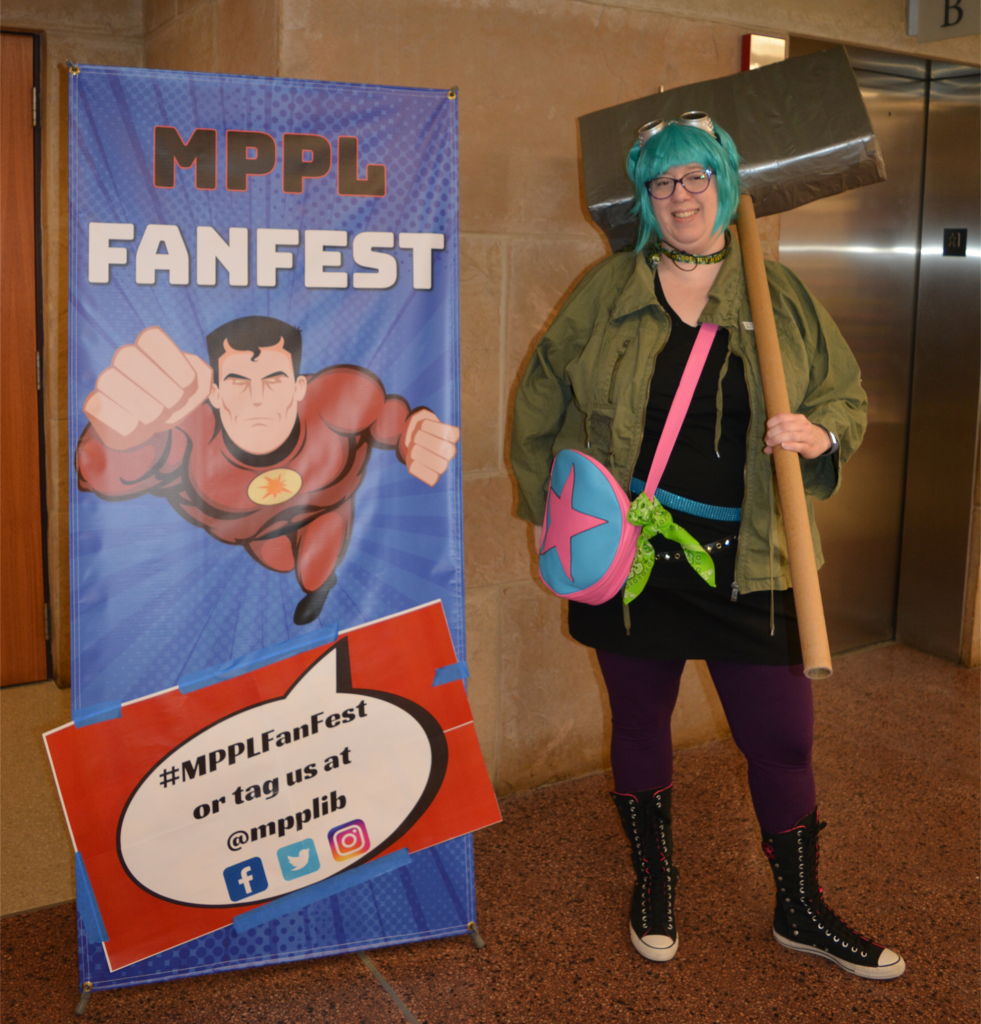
[694,183]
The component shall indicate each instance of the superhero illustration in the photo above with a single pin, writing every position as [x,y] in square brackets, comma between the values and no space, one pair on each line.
[248,448]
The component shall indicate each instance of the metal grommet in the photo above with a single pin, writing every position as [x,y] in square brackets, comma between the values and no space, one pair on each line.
[697,119]
[649,130]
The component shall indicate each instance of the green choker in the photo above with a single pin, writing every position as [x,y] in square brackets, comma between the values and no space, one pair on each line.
[654,253]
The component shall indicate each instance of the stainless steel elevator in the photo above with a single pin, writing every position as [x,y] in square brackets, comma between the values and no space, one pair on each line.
[896,536]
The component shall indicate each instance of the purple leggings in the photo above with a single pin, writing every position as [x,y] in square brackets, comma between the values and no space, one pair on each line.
[770,713]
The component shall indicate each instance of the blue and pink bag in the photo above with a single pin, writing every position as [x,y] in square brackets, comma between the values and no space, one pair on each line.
[588,544]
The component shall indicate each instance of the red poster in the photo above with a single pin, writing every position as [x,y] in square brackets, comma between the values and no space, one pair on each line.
[192,808]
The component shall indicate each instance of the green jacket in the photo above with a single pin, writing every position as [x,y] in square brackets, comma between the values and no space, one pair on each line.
[588,381]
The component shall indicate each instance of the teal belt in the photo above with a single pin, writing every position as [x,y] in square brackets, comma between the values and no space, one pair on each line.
[677,503]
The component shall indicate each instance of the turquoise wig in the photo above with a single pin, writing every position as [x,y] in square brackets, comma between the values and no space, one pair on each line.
[674,146]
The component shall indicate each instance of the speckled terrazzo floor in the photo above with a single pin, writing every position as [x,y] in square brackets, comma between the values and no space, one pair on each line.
[897,765]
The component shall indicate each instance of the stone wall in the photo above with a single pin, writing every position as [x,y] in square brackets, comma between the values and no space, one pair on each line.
[526,70]
[234,37]
[877,24]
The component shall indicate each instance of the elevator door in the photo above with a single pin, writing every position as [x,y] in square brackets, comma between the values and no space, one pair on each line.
[940,475]
[858,253]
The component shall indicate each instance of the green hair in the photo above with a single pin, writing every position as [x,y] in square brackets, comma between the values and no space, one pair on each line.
[674,146]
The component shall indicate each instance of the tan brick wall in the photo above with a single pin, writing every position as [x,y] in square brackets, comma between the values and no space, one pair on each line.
[235,37]
[525,73]
[877,24]
[526,70]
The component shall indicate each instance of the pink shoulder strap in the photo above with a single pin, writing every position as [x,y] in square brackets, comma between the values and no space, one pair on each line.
[679,405]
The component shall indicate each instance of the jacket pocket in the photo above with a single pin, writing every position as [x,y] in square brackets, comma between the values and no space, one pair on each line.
[599,431]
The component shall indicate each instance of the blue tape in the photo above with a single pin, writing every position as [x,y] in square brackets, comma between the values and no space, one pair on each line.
[320,891]
[450,673]
[87,905]
[97,713]
[256,659]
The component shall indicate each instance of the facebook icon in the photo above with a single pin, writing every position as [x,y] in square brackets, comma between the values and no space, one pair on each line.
[245,879]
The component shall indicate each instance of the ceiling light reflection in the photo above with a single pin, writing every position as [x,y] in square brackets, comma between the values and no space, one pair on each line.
[874,250]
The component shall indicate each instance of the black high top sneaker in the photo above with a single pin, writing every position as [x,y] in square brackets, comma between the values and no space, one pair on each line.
[646,819]
[803,921]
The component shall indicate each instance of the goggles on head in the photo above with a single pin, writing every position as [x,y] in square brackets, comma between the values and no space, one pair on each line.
[690,119]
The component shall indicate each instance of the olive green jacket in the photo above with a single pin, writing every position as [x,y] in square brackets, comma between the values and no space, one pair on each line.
[588,381]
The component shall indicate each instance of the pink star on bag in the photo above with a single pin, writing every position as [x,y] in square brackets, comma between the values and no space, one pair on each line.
[565,522]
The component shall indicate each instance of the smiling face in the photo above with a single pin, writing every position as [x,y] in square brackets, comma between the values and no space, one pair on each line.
[687,222]
[257,397]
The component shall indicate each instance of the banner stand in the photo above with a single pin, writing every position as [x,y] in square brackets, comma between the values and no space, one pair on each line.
[265,525]
[87,988]
[85,998]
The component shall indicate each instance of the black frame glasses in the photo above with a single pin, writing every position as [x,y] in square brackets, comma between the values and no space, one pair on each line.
[692,177]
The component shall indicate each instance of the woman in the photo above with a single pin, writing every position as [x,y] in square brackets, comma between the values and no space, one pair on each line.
[602,380]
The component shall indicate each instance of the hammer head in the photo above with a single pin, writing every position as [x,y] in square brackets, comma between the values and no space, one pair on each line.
[800,126]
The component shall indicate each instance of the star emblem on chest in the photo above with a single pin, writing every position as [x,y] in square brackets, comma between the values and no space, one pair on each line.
[274,486]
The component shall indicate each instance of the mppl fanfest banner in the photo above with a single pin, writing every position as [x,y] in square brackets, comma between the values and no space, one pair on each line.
[263,416]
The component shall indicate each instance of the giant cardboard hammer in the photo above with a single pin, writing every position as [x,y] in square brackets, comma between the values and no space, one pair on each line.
[803,132]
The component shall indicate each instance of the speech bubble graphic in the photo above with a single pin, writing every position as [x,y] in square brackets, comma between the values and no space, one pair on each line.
[321,757]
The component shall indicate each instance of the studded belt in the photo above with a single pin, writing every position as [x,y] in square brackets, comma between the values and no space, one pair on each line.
[717,545]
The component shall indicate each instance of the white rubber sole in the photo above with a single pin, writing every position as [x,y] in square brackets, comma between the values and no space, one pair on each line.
[881,972]
[658,953]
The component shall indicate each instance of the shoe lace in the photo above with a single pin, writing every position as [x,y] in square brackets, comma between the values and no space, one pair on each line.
[831,921]
[660,875]
[655,874]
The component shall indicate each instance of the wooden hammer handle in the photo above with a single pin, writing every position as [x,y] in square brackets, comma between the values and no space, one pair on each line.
[790,484]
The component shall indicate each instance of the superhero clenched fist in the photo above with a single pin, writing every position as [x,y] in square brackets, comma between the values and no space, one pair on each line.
[249,449]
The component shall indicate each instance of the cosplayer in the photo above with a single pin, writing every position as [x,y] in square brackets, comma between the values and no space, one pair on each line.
[601,381]
[249,449]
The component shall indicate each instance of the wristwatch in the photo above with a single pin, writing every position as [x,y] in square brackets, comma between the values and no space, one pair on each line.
[834,441]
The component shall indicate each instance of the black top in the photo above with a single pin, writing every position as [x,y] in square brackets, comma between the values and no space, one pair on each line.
[694,470]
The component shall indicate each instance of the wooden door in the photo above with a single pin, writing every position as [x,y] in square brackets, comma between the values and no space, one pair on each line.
[23,650]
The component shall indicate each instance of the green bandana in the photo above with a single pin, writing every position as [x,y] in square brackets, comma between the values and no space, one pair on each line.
[654,518]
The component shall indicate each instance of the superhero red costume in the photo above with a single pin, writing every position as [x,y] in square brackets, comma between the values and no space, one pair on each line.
[290,509]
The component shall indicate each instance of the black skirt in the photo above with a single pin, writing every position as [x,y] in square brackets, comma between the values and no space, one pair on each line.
[678,615]
[699,624]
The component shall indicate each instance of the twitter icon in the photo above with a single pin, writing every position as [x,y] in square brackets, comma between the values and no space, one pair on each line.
[298,859]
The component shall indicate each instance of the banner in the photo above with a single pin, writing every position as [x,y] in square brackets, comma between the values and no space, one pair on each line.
[263,416]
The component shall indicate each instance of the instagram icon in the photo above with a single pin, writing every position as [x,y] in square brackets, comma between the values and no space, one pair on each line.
[349,840]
